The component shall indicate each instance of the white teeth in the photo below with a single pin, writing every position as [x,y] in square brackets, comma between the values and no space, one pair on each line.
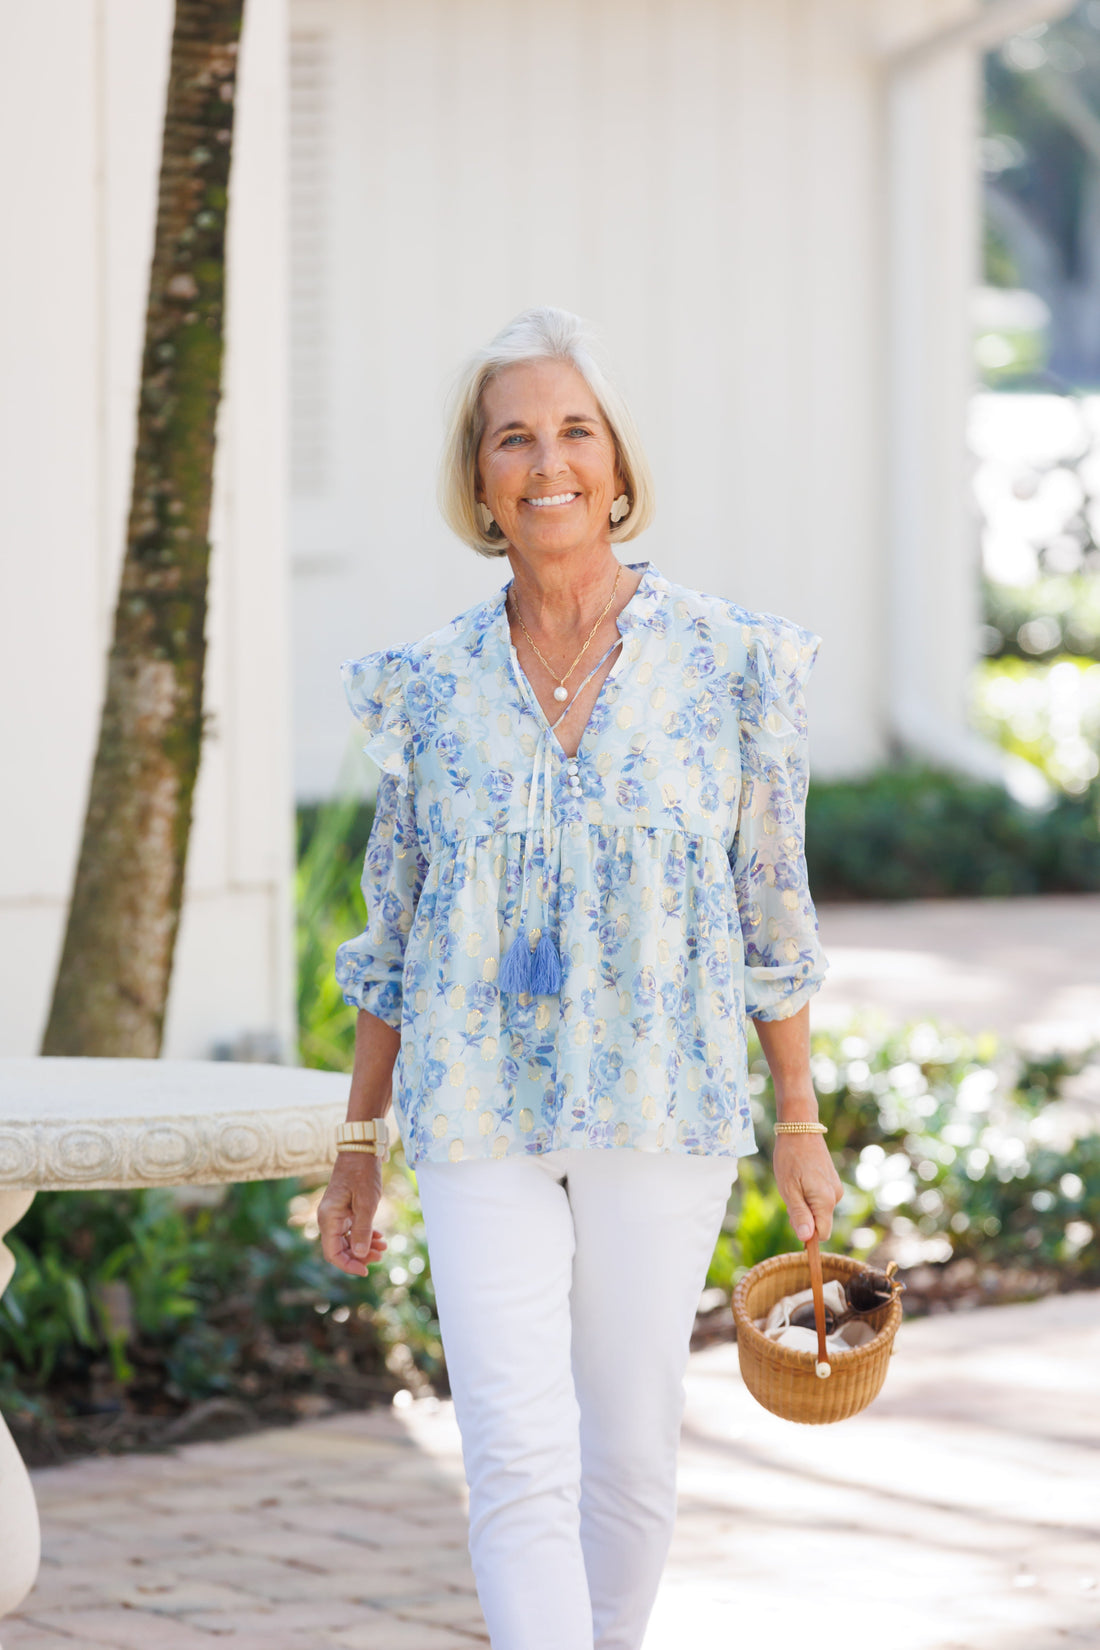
[558,498]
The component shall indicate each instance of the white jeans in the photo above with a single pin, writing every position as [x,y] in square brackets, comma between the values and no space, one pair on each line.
[567,1285]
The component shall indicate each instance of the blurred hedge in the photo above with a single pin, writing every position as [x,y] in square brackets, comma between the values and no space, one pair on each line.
[912,832]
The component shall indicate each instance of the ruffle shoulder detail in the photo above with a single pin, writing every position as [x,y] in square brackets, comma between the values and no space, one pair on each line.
[375,686]
[779,656]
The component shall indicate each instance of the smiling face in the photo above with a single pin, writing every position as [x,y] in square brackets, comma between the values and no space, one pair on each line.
[546,462]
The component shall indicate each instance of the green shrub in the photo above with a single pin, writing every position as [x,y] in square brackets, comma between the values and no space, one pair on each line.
[912,832]
[955,1147]
[163,1305]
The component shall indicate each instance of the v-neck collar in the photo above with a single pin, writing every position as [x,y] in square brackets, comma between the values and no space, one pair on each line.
[637,612]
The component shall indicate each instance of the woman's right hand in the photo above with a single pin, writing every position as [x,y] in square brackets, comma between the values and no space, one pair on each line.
[349,1238]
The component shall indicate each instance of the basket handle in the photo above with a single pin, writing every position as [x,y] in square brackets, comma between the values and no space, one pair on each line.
[813,1254]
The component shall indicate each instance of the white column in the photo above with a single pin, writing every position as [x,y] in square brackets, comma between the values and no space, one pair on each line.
[932,213]
[932,216]
[20,1540]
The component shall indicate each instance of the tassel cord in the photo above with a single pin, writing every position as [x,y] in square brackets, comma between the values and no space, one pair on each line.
[540,971]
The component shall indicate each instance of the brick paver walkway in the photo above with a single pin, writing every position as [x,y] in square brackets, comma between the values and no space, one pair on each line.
[960,1512]
[1027,968]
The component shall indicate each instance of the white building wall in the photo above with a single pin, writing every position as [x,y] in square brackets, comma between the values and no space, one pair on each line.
[704,180]
[81,104]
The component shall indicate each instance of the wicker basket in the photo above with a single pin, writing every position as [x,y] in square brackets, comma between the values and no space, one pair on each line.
[786,1381]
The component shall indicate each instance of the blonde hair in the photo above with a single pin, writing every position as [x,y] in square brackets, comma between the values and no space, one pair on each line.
[542,334]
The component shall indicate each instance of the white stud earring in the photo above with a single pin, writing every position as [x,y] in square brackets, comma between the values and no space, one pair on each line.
[486,518]
[620,508]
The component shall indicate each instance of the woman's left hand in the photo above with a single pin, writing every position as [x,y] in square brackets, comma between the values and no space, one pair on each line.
[808,1183]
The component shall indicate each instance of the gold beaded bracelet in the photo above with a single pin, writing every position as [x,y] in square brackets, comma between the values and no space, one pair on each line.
[364,1134]
[799,1128]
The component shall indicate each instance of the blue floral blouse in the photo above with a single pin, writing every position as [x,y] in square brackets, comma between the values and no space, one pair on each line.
[664,863]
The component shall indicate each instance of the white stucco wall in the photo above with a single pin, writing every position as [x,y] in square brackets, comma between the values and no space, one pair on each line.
[706,180]
[81,104]
[698,178]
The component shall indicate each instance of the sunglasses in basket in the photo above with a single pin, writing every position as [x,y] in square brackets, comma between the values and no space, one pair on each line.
[864,1291]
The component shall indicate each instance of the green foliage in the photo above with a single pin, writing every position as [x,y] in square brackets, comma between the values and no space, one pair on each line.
[912,832]
[1047,713]
[949,1147]
[1053,616]
[233,1297]
[957,1141]
[332,839]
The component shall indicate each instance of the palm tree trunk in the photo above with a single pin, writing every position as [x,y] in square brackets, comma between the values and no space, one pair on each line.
[116,963]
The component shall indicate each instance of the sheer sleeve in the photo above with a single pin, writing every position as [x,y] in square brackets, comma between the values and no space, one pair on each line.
[370,967]
[784,962]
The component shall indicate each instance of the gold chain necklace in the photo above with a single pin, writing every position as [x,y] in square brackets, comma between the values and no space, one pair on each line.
[561,692]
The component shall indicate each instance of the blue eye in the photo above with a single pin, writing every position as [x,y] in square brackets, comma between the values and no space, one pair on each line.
[510,438]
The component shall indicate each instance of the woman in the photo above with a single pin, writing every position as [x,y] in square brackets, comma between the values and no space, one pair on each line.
[586,867]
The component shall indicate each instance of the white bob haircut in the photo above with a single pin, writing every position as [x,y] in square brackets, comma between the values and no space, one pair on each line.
[542,334]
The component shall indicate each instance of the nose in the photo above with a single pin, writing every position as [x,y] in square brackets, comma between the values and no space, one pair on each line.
[548,459]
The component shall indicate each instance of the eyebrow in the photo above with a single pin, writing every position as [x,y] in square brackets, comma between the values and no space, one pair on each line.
[570,418]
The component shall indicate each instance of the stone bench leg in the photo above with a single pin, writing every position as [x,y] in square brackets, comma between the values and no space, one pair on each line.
[20,1543]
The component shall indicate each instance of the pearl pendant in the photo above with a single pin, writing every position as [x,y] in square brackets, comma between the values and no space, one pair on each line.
[560,693]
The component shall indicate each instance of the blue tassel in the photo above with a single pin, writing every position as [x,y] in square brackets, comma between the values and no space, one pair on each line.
[515,970]
[545,968]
